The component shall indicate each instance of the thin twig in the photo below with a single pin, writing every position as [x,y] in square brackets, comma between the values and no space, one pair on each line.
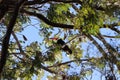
[19,45]
[80,60]
[79,35]
[111,36]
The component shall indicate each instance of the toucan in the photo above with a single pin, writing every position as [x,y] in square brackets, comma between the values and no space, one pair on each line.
[63,45]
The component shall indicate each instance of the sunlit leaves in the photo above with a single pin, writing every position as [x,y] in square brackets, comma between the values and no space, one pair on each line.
[45,30]
[40,74]
[74,77]
[22,19]
[58,13]
[78,54]
[88,21]
[88,18]
[54,54]
[54,77]
[12,47]
[50,57]
[61,8]
[34,47]
[98,62]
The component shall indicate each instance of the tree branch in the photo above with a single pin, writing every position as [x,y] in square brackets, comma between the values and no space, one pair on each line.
[17,41]
[60,64]
[111,36]
[3,9]
[109,25]
[6,39]
[115,29]
[111,50]
[46,69]
[46,1]
[19,45]
[98,46]
[60,25]
[41,17]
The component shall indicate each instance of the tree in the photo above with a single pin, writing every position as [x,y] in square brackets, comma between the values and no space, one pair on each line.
[75,21]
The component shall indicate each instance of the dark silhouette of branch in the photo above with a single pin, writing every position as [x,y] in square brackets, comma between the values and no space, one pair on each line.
[111,57]
[19,45]
[62,1]
[112,52]
[46,1]
[60,64]
[111,36]
[3,9]
[98,46]
[17,41]
[41,17]
[65,1]
[109,25]
[6,39]
[108,46]
[60,25]
[115,29]
[47,69]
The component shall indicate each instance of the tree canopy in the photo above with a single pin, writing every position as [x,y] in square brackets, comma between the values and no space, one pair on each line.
[90,28]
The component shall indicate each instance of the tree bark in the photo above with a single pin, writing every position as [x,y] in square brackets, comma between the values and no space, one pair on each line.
[5,43]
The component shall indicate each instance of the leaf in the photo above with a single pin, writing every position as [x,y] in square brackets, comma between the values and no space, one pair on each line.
[24,37]
[74,77]
[62,8]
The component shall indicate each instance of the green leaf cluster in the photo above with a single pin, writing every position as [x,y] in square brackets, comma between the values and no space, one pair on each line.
[58,12]
[88,20]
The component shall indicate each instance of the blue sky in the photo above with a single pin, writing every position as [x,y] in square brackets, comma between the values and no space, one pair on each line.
[32,34]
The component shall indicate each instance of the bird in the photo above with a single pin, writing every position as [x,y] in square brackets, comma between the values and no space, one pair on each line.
[63,45]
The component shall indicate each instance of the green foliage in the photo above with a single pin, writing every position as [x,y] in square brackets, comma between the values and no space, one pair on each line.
[100,63]
[76,50]
[61,8]
[58,12]
[87,18]
[45,31]
[74,78]
[54,77]
[21,20]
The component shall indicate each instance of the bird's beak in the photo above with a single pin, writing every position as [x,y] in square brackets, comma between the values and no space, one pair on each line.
[53,38]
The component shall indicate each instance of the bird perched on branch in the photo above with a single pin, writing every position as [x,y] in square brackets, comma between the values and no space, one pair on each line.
[63,45]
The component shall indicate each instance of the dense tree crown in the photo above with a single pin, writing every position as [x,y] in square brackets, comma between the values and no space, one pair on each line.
[90,30]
